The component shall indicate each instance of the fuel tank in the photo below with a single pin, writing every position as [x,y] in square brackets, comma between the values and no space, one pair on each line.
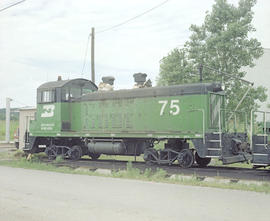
[110,148]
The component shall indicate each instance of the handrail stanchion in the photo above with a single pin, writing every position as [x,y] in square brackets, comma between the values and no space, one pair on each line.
[219,128]
[264,130]
[251,130]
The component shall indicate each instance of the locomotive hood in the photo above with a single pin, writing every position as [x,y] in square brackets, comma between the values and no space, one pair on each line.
[187,89]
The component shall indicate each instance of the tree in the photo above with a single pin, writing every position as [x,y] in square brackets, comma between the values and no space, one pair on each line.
[221,43]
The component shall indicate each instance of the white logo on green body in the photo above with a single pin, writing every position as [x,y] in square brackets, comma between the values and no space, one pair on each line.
[48,110]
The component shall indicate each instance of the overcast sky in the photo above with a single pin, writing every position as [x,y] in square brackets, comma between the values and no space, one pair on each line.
[41,39]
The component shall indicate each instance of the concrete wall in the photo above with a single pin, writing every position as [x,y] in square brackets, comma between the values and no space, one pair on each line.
[26,114]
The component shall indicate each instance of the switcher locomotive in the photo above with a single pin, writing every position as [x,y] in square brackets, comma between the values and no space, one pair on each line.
[74,118]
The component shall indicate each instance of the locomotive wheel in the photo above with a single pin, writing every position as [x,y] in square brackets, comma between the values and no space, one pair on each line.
[51,152]
[185,158]
[75,152]
[149,155]
[202,162]
[94,156]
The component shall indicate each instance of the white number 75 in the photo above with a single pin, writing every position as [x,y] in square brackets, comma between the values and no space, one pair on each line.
[174,107]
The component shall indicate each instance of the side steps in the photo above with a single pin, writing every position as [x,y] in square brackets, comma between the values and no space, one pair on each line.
[214,145]
[260,150]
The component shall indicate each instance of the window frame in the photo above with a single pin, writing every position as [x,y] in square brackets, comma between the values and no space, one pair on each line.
[46,96]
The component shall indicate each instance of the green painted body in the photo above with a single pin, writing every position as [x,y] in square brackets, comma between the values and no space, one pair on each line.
[73,113]
[187,116]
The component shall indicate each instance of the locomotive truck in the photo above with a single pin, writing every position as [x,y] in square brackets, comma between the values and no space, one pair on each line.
[74,119]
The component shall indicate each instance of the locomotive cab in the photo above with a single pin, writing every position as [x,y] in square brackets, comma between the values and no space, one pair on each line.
[54,112]
[64,90]
[54,98]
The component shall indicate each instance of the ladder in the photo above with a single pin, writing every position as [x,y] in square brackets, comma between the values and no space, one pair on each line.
[259,142]
[214,145]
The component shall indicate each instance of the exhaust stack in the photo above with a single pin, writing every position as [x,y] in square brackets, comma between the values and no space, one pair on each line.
[106,84]
[140,80]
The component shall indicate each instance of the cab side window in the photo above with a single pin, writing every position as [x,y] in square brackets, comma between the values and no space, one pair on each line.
[74,91]
[86,90]
[46,96]
[65,94]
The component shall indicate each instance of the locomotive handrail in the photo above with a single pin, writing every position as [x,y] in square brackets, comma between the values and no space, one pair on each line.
[251,129]
[219,128]
[234,113]
[240,102]
[229,75]
[264,126]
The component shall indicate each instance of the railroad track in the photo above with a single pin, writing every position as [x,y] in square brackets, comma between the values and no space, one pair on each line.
[232,173]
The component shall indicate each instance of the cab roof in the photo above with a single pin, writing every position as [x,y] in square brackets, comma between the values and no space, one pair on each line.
[62,83]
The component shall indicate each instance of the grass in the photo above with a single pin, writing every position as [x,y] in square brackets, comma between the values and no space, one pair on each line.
[216,162]
[13,126]
[18,159]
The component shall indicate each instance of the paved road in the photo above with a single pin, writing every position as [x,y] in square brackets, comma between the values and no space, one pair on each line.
[27,195]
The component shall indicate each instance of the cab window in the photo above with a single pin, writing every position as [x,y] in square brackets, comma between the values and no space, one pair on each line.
[46,96]
[86,91]
[75,91]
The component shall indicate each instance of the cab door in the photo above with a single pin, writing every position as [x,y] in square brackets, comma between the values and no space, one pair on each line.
[65,109]
[216,111]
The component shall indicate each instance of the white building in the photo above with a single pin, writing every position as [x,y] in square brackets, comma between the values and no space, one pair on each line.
[25,116]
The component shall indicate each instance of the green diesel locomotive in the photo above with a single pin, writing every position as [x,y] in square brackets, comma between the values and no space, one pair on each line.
[74,119]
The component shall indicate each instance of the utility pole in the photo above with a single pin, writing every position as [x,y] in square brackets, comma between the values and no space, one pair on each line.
[93,55]
[8,119]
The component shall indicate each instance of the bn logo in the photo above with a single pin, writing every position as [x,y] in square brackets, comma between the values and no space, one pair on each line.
[48,111]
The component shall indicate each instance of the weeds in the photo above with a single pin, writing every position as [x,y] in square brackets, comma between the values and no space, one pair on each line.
[148,172]
[132,172]
[19,154]
[59,159]
[160,174]
[38,157]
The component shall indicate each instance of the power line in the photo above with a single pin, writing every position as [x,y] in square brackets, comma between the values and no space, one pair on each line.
[19,102]
[7,7]
[115,26]
[85,54]
[133,18]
